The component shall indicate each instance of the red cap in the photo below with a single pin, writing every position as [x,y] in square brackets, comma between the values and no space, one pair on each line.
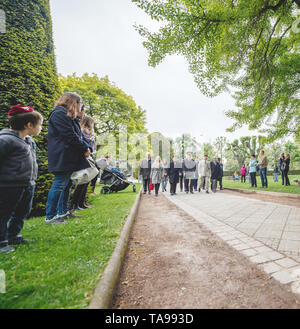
[18,109]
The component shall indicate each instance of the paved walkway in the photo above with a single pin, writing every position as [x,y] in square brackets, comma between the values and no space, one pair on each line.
[268,233]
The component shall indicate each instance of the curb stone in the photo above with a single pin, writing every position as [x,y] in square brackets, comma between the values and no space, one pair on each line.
[104,291]
[240,190]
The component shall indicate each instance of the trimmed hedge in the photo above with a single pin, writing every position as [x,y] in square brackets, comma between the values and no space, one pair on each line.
[28,74]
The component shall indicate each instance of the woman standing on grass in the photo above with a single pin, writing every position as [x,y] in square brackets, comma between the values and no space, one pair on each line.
[287,169]
[243,174]
[252,170]
[282,166]
[157,172]
[67,152]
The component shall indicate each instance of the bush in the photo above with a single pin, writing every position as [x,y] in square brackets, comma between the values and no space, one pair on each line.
[28,73]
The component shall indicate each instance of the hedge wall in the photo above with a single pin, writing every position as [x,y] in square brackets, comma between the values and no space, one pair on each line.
[28,73]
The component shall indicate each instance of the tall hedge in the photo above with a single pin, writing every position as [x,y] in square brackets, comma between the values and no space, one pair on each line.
[28,73]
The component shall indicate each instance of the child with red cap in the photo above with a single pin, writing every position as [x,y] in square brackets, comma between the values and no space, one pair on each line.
[18,171]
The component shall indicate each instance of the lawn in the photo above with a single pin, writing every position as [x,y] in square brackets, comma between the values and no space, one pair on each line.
[63,265]
[272,186]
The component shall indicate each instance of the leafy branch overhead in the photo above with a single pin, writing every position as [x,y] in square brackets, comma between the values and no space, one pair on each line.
[248,48]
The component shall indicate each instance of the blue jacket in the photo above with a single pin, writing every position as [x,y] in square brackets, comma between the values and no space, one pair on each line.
[253,165]
[66,144]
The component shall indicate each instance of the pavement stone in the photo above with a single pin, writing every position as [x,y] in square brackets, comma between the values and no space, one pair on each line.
[269,236]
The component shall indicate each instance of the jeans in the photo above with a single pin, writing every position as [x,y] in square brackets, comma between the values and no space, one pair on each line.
[59,195]
[164,183]
[15,206]
[214,185]
[253,179]
[195,183]
[263,177]
[275,177]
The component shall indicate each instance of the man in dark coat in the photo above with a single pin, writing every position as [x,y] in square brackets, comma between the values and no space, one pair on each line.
[181,177]
[221,173]
[174,172]
[215,174]
[145,171]
[189,170]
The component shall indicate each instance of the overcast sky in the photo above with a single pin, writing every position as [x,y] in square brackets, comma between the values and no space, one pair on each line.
[97,36]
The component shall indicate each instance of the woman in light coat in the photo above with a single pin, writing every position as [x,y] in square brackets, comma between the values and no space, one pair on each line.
[157,173]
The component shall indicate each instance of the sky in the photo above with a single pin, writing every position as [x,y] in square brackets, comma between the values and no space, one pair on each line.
[98,36]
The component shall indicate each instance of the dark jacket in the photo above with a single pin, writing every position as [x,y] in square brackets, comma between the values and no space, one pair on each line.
[145,169]
[66,144]
[221,169]
[173,172]
[215,170]
[18,166]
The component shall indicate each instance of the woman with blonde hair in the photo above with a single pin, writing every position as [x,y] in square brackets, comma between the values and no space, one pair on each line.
[67,152]
[157,172]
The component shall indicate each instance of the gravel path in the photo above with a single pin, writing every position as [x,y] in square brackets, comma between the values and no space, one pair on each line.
[174,262]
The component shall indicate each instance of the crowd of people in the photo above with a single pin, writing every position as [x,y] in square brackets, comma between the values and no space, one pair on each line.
[185,172]
[71,146]
[260,166]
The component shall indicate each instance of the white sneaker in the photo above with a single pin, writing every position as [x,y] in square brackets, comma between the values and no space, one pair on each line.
[58,219]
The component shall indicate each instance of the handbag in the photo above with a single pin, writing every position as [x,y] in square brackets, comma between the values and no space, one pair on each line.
[151,186]
[84,176]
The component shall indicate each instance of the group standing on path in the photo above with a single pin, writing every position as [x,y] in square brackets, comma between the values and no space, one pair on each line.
[185,172]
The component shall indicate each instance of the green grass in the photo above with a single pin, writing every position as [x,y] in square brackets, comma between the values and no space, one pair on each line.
[273,187]
[63,265]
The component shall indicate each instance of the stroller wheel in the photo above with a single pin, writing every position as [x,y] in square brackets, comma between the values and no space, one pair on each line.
[104,190]
[134,188]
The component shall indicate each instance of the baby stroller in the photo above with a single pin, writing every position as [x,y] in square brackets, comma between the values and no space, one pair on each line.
[114,182]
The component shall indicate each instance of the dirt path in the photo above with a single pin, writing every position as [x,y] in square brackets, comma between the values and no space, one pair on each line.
[174,262]
[287,201]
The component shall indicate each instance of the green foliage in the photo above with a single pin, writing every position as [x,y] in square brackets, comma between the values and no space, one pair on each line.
[108,104]
[242,149]
[28,72]
[247,47]
[62,267]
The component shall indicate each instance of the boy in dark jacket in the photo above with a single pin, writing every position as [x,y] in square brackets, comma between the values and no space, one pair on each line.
[18,171]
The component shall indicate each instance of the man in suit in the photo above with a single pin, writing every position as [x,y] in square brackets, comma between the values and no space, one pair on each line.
[174,171]
[215,174]
[145,171]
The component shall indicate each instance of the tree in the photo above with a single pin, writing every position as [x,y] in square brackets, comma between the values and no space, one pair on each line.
[220,146]
[208,149]
[111,108]
[247,46]
[293,149]
[242,149]
[273,152]
[28,74]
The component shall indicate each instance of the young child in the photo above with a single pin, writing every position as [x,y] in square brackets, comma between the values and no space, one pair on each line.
[18,171]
